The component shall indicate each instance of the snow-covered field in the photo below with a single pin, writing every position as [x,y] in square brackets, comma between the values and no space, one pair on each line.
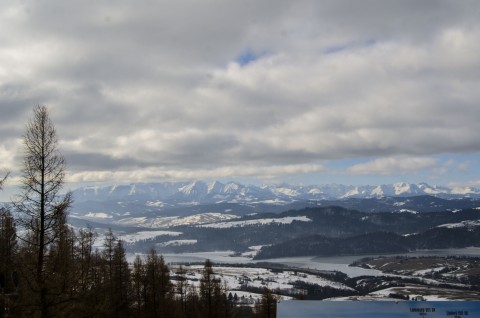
[177,243]
[284,220]
[145,235]
[428,293]
[238,278]
[170,221]
[98,215]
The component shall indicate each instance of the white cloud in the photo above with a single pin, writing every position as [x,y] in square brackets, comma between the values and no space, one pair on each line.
[393,165]
[156,174]
[154,89]
[8,151]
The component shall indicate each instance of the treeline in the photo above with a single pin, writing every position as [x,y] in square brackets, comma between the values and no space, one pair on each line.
[374,243]
[82,281]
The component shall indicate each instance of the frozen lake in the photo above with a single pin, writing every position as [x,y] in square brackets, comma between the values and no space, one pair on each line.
[337,263]
[340,263]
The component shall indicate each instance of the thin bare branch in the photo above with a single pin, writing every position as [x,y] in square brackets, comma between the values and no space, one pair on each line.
[3,180]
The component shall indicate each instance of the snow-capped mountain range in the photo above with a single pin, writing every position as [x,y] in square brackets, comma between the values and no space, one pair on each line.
[200,192]
[221,205]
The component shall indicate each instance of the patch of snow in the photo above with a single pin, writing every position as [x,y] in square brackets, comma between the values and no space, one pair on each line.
[113,188]
[274,201]
[215,186]
[98,215]
[165,222]
[236,277]
[401,188]
[422,272]
[191,203]
[284,220]
[286,191]
[177,243]
[314,191]
[468,224]
[133,190]
[257,247]
[253,250]
[407,211]
[231,187]
[145,235]
[353,192]
[431,191]
[158,204]
[378,191]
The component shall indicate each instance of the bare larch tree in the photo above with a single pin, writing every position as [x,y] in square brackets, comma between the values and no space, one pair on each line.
[41,208]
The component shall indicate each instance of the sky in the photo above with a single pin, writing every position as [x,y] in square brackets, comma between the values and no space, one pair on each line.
[304,92]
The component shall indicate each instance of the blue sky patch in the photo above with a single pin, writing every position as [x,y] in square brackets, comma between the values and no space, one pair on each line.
[247,57]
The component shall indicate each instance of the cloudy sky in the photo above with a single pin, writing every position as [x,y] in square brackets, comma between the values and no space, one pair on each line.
[313,92]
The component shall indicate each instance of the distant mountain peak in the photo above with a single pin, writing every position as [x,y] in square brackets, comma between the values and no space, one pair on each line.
[231,186]
[202,192]
[215,186]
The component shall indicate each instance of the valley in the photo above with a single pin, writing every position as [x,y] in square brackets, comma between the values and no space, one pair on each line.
[305,249]
[433,276]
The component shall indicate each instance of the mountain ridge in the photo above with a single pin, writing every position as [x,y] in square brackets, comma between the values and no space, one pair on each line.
[213,192]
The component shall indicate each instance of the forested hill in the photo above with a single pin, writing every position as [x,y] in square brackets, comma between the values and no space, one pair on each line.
[325,223]
[374,243]
[338,231]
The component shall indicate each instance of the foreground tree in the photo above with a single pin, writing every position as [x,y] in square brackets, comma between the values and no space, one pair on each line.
[181,289]
[8,275]
[267,307]
[120,282]
[41,208]
[212,296]
[158,288]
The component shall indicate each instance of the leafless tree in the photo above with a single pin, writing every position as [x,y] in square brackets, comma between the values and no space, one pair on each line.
[41,208]
[2,181]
